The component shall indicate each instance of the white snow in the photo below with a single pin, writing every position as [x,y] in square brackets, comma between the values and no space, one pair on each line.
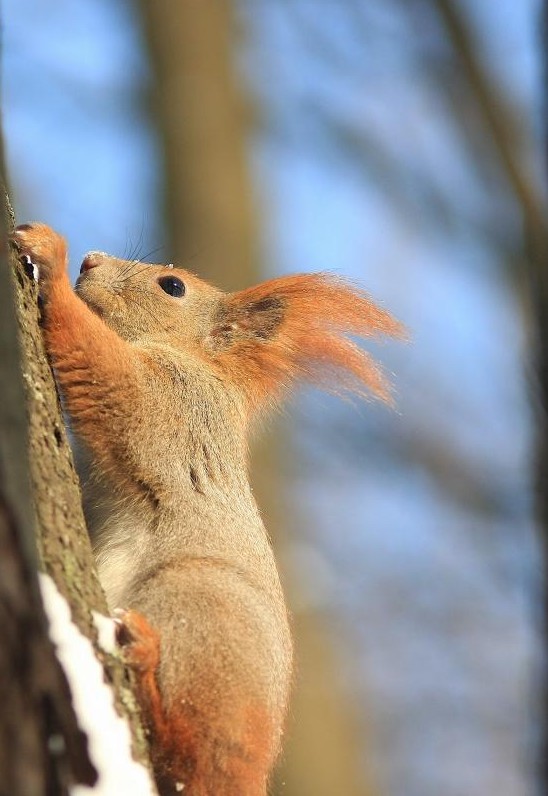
[106,631]
[109,739]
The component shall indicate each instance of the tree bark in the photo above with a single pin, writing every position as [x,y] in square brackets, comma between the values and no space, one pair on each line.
[63,546]
[42,750]
[34,695]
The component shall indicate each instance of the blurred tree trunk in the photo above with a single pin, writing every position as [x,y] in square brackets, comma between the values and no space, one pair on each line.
[501,125]
[42,750]
[203,117]
[539,289]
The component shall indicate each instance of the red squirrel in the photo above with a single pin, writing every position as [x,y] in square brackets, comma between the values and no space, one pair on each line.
[162,376]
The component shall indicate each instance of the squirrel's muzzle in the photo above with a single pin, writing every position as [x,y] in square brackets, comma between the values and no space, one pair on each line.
[92,260]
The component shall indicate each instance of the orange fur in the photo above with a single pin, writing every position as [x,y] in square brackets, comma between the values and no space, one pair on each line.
[159,389]
[95,366]
[318,314]
[189,742]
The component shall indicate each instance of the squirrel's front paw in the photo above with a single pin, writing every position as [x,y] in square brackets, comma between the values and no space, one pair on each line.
[140,642]
[43,247]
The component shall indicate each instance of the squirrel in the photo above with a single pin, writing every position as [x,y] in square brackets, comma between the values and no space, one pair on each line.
[163,377]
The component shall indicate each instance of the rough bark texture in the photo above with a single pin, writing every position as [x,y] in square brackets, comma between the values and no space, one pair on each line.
[63,547]
[41,749]
[64,550]
[36,706]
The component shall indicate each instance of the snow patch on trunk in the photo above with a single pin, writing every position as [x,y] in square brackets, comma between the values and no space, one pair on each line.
[109,738]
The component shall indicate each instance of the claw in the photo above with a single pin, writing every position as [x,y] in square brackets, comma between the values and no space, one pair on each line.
[139,641]
[123,634]
[31,269]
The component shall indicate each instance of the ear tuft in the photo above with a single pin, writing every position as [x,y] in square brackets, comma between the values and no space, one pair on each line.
[299,327]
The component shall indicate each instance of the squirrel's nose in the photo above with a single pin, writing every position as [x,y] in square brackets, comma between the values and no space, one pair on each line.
[92,260]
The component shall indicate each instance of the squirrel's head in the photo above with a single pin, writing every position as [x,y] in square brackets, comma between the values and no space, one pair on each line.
[260,339]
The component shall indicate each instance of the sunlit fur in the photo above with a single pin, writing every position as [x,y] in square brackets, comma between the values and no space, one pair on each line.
[160,391]
[318,314]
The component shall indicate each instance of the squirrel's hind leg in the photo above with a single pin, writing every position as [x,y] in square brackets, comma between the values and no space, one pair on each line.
[194,749]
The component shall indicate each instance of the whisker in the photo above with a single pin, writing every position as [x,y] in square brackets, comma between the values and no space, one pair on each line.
[137,247]
[133,274]
[152,251]
[126,244]
[193,255]
[140,260]
[131,264]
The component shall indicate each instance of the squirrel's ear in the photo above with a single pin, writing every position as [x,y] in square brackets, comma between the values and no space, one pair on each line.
[299,326]
[239,319]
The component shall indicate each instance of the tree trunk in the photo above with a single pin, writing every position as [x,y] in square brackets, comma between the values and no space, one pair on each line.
[539,293]
[201,117]
[42,750]
[36,705]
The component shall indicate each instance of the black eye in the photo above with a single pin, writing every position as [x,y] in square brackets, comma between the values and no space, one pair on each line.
[172,286]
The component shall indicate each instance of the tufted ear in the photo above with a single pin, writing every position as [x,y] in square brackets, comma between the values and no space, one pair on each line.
[239,319]
[298,327]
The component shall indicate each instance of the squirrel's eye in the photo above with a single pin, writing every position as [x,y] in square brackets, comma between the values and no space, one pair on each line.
[172,286]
